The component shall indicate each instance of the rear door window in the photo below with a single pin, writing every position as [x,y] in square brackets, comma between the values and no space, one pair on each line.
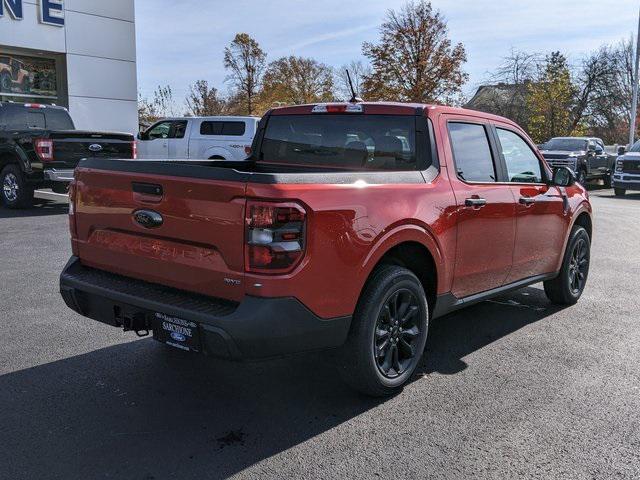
[355,142]
[472,152]
[178,129]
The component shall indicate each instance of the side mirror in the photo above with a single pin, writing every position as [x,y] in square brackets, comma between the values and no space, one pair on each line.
[622,150]
[563,177]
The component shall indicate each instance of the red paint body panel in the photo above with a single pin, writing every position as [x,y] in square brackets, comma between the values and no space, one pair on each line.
[200,245]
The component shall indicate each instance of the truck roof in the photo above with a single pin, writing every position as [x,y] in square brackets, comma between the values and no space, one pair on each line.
[214,117]
[576,138]
[393,108]
[32,105]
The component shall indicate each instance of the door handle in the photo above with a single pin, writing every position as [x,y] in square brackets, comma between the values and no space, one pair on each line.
[475,202]
[527,201]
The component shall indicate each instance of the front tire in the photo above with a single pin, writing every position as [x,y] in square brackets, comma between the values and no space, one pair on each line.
[619,192]
[388,334]
[16,192]
[5,83]
[567,287]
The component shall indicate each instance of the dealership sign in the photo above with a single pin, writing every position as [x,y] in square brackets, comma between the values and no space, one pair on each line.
[51,11]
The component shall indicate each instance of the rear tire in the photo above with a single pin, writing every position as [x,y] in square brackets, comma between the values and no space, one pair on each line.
[567,287]
[16,192]
[582,177]
[388,333]
[619,192]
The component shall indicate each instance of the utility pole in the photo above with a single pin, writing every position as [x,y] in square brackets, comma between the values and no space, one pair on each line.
[634,105]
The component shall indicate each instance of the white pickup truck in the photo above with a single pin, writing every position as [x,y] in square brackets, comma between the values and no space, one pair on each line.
[219,138]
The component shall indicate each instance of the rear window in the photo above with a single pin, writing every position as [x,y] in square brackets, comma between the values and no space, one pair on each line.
[21,118]
[360,142]
[225,129]
[58,120]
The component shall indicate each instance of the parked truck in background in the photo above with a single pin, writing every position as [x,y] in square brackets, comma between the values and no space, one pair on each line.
[216,138]
[39,148]
[350,227]
[627,173]
[585,156]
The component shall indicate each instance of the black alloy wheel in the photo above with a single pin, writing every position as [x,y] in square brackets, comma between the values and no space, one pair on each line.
[388,332]
[396,332]
[578,266]
[567,287]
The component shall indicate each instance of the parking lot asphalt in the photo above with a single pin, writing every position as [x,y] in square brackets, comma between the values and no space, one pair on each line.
[510,388]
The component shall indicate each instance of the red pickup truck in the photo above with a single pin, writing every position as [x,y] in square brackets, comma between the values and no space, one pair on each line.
[350,227]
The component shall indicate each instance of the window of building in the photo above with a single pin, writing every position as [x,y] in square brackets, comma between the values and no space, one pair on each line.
[29,79]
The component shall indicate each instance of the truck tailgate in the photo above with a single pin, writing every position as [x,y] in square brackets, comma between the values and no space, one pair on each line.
[69,147]
[199,245]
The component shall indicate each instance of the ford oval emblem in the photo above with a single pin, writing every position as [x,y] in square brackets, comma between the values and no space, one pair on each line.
[178,337]
[147,218]
[96,147]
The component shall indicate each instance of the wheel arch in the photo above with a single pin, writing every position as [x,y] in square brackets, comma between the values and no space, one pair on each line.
[8,157]
[584,220]
[414,248]
[217,152]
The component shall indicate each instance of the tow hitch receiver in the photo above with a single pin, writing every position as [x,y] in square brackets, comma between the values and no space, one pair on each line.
[136,322]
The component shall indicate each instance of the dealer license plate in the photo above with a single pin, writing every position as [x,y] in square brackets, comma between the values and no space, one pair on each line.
[179,333]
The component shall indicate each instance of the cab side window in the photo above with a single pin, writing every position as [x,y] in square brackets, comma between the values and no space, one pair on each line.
[471,152]
[161,130]
[523,165]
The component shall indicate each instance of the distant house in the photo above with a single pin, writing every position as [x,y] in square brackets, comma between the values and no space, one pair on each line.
[504,99]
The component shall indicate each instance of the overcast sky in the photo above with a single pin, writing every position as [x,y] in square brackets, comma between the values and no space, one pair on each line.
[182,41]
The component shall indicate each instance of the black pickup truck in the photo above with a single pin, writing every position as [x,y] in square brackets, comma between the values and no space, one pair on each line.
[585,156]
[40,148]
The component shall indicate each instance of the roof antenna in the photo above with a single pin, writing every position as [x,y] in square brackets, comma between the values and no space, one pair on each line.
[354,96]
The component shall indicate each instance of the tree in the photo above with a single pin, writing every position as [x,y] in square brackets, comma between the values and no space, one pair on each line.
[414,59]
[609,104]
[297,80]
[246,62]
[204,101]
[551,100]
[161,105]
[358,71]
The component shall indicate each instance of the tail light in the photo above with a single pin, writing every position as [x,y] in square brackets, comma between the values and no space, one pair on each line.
[72,218]
[134,149]
[247,150]
[275,236]
[44,149]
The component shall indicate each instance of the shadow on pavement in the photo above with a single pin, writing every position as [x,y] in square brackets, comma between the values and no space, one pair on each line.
[141,410]
[40,208]
[453,337]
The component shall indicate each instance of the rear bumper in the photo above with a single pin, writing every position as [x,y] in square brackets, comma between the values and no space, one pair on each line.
[58,175]
[254,328]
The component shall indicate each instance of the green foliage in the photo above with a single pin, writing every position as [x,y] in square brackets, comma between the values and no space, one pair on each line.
[551,100]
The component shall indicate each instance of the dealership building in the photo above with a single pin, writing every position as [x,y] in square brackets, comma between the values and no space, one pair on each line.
[80,54]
